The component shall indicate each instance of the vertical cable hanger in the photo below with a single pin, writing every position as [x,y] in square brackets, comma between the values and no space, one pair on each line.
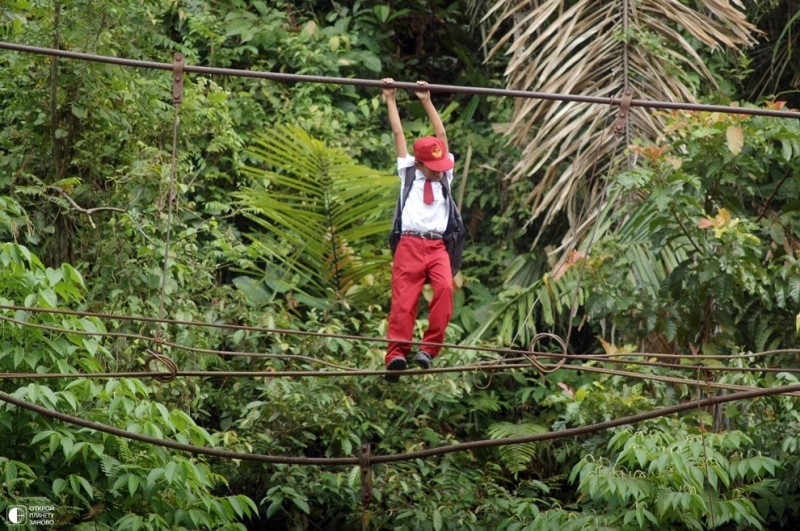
[177,98]
[622,126]
[621,129]
[623,121]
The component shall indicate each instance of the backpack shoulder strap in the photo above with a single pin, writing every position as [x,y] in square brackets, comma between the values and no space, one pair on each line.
[445,185]
[449,197]
[407,183]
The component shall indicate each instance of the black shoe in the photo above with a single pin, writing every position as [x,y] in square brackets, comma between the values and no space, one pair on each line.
[423,359]
[397,364]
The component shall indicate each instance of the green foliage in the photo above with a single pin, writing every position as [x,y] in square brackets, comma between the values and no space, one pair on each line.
[667,478]
[12,218]
[691,258]
[318,208]
[773,426]
[90,476]
[79,136]
[526,305]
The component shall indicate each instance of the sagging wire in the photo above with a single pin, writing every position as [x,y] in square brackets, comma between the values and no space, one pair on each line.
[420,454]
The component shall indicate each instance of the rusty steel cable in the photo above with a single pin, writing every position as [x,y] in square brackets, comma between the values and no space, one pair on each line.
[171,373]
[158,339]
[374,83]
[496,365]
[491,366]
[332,335]
[625,67]
[155,356]
[420,454]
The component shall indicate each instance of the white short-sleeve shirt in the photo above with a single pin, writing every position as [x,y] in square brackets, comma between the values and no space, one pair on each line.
[417,216]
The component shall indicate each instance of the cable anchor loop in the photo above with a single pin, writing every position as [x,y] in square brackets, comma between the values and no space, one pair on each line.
[542,367]
[165,361]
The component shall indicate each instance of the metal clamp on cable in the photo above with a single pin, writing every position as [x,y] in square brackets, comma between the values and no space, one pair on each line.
[624,105]
[177,77]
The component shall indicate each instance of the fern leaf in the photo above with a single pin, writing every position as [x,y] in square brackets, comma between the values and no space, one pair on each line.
[516,458]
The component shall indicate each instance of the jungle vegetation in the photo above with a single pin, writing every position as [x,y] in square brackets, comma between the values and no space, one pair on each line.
[681,237]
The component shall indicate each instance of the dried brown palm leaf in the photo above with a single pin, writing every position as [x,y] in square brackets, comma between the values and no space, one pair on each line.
[579,47]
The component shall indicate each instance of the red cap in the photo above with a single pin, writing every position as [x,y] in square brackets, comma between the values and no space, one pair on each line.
[432,153]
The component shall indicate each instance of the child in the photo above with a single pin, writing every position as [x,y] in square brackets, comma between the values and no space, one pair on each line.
[420,255]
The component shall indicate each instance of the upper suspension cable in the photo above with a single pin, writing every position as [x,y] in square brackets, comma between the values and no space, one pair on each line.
[376,83]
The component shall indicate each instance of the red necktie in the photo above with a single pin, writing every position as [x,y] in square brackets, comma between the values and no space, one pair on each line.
[427,194]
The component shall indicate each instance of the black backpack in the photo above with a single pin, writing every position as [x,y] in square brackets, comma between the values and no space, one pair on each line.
[453,235]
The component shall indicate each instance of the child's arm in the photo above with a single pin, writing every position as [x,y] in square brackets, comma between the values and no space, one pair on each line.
[394,119]
[433,115]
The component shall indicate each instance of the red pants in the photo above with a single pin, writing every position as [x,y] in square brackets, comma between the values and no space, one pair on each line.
[415,261]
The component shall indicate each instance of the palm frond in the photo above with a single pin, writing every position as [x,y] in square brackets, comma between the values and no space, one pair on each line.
[579,48]
[513,318]
[319,202]
[774,62]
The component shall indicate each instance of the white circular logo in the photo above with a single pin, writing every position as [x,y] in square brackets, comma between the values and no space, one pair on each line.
[17,514]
